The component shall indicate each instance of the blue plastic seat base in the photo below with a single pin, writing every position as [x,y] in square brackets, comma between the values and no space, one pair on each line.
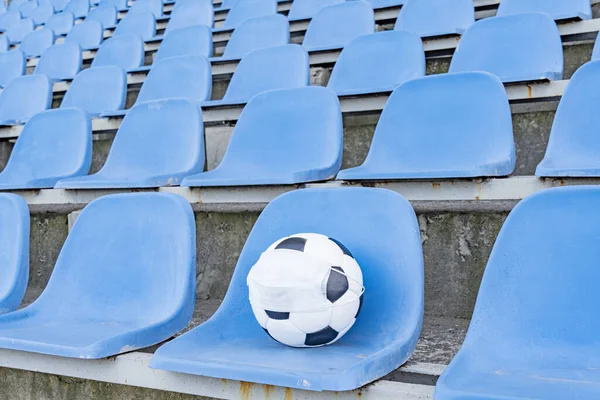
[216,178]
[224,103]
[220,30]
[98,181]
[114,114]
[375,90]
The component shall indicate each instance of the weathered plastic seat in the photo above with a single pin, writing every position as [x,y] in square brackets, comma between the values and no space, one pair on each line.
[141,23]
[41,14]
[14,251]
[61,23]
[157,144]
[60,62]
[281,67]
[247,9]
[187,77]
[533,334]
[9,18]
[79,8]
[199,12]
[429,18]
[255,34]
[284,136]
[18,30]
[97,90]
[574,147]
[154,6]
[190,41]
[36,42]
[88,34]
[377,225]
[125,51]
[326,30]
[12,64]
[53,145]
[378,63]
[516,48]
[306,9]
[106,15]
[556,9]
[466,115]
[154,297]
[120,5]
[23,97]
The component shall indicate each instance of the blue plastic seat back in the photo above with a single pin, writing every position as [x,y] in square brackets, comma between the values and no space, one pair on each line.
[466,115]
[428,18]
[36,42]
[41,14]
[380,229]
[27,7]
[24,97]
[199,12]
[107,15]
[14,251]
[88,34]
[18,30]
[120,5]
[516,48]
[4,45]
[281,67]
[61,61]
[282,137]
[3,8]
[141,23]
[258,33]
[378,62]
[574,144]
[555,9]
[533,331]
[79,8]
[9,18]
[136,289]
[15,5]
[53,145]
[190,41]
[12,64]
[125,51]
[97,90]
[335,26]
[59,5]
[249,9]
[61,23]
[304,9]
[153,6]
[188,77]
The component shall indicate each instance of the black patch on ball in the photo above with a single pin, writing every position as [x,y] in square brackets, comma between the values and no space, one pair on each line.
[337,285]
[341,246]
[321,337]
[277,315]
[293,243]
[360,301]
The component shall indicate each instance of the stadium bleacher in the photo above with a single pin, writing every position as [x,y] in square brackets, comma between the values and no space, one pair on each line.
[152,149]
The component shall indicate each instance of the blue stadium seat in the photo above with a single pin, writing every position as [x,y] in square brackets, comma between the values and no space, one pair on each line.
[36,42]
[154,6]
[377,225]
[41,14]
[9,18]
[305,9]
[143,155]
[516,48]
[256,33]
[24,97]
[79,8]
[141,23]
[97,90]
[120,5]
[428,18]
[59,5]
[534,328]
[199,12]
[326,30]
[27,7]
[281,67]
[247,9]
[125,51]
[386,3]
[14,251]
[555,9]
[12,64]
[60,62]
[378,63]
[18,30]
[14,5]
[106,15]
[284,136]
[574,145]
[88,35]
[190,41]
[226,4]
[83,312]
[466,115]
[53,145]
[187,77]
[61,23]
[4,45]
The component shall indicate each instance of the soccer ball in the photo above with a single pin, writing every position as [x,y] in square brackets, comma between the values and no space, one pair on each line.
[306,290]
